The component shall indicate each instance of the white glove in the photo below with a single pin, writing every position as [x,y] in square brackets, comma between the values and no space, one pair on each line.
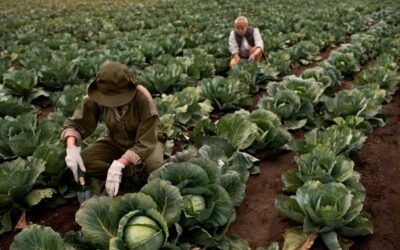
[252,57]
[74,160]
[114,176]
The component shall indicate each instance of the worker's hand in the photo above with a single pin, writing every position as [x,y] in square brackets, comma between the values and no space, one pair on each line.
[114,177]
[74,160]
[252,57]
[235,59]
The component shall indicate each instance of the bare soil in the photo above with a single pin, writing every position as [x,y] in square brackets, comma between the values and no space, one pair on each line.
[44,112]
[61,219]
[257,220]
[255,98]
[378,163]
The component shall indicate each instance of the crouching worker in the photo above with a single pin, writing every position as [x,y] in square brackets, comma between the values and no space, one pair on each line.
[245,42]
[131,141]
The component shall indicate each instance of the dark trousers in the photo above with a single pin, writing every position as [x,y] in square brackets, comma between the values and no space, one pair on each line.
[98,157]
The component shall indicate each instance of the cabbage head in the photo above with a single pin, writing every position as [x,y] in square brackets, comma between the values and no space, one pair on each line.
[142,231]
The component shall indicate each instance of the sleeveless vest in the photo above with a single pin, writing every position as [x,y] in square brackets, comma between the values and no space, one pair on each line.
[249,37]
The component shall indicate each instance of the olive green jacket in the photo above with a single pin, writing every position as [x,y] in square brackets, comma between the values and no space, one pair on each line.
[136,129]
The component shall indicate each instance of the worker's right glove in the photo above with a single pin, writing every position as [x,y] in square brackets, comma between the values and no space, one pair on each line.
[74,160]
[114,176]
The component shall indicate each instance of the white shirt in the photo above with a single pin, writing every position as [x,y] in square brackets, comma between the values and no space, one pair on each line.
[243,51]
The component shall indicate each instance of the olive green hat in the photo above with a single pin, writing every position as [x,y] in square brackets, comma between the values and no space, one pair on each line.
[114,85]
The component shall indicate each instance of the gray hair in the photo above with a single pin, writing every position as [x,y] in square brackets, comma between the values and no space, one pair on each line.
[241,19]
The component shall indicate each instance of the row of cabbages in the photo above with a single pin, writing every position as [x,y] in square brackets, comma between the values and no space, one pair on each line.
[325,193]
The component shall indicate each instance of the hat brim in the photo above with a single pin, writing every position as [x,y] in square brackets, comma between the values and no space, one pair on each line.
[111,100]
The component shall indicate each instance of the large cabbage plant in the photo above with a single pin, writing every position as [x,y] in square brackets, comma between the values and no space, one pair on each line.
[12,106]
[293,112]
[292,100]
[18,189]
[323,165]
[345,62]
[243,130]
[325,73]
[383,74]
[160,79]
[226,93]
[365,103]
[181,111]
[328,210]
[340,139]
[20,82]
[206,202]
[133,221]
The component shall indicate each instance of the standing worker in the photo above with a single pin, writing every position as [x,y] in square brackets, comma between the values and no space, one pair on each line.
[131,141]
[245,42]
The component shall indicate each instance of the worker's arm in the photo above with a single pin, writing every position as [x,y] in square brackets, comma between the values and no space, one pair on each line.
[233,45]
[82,123]
[147,132]
[258,42]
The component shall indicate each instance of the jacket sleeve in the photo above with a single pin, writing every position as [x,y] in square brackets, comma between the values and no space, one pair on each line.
[233,46]
[258,40]
[83,122]
[147,131]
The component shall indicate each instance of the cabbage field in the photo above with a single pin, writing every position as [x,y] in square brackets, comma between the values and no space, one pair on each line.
[299,151]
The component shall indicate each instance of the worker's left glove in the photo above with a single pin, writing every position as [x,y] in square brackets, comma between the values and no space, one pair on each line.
[114,176]
[73,160]
[252,57]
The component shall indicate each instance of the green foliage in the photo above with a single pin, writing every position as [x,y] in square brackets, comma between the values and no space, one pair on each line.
[237,130]
[365,103]
[292,100]
[326,209]
[320,165]
[226,93]
[341,140]
[12,106]
[18,190]
[181,111]
[327,74]
[160,79]
[109,222]
[345,62]
[58,72]
[38,237]
[383,74]
[304,52]
[69,99]
[20,82]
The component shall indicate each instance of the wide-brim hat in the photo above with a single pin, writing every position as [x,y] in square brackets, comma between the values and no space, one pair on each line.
[114,85]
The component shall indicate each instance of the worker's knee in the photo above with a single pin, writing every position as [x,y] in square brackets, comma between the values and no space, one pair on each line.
[95,167]
[98,157]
